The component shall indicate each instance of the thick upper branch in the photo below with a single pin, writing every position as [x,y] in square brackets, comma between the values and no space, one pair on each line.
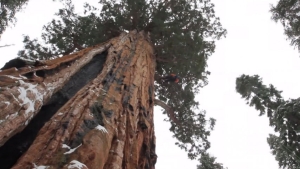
[169,111]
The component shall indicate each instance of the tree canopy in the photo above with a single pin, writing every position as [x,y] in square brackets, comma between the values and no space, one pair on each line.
[183,33]
[284,117]
[8,10]
[288,13]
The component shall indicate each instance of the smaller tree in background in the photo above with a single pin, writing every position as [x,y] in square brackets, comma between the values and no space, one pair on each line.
[283,114]
[284,117]
[288,13]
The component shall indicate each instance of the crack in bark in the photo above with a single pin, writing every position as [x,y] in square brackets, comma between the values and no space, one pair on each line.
[13,148]
[120,133]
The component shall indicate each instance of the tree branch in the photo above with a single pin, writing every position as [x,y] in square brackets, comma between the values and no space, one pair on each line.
[169,111]
[157,77]
[164,60]
[6,45]
[172,60]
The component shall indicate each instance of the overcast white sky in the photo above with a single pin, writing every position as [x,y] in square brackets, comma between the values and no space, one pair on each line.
[254,45]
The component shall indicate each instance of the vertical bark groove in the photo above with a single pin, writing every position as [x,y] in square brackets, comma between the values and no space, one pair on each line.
[21,97]
[108,123]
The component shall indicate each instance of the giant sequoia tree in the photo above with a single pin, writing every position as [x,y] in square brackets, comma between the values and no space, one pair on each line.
[93,76]
[284,116]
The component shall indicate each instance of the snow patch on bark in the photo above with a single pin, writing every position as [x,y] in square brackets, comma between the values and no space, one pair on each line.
[4,119]
[74,164]
[13,77]
[7,104]
[24,98]
[12,116]
[71,150]
[40,167]
[49,87]
[28,60]
[14,97]
[66,146]
[101,128]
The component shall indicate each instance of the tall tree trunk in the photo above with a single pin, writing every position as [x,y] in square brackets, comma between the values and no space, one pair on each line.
[105,122]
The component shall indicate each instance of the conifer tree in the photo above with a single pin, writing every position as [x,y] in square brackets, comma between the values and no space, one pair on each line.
[209,162]
[183,34]
[288,13]
[282,114]
[8,10]
[284,117]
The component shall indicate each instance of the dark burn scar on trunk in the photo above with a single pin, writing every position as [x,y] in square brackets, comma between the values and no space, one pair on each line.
[11,151]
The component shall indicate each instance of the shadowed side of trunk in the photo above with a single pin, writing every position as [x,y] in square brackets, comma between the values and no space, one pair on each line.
[24,90]
[108,123]
[19,143]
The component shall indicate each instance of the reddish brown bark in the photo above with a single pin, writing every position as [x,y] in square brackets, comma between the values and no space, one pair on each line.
[107,124]
[21,98]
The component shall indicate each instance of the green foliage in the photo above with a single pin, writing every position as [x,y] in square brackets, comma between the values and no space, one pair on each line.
[8,10]
[262,97]
[284,117]
[209,162]
[193,133]
[68,34]
[183,33]
[283,114]
[288,13]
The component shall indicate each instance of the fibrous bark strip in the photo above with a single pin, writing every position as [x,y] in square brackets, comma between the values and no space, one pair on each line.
[19,143]
[108,123]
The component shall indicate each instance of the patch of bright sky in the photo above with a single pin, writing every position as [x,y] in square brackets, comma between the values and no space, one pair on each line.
[254,45]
